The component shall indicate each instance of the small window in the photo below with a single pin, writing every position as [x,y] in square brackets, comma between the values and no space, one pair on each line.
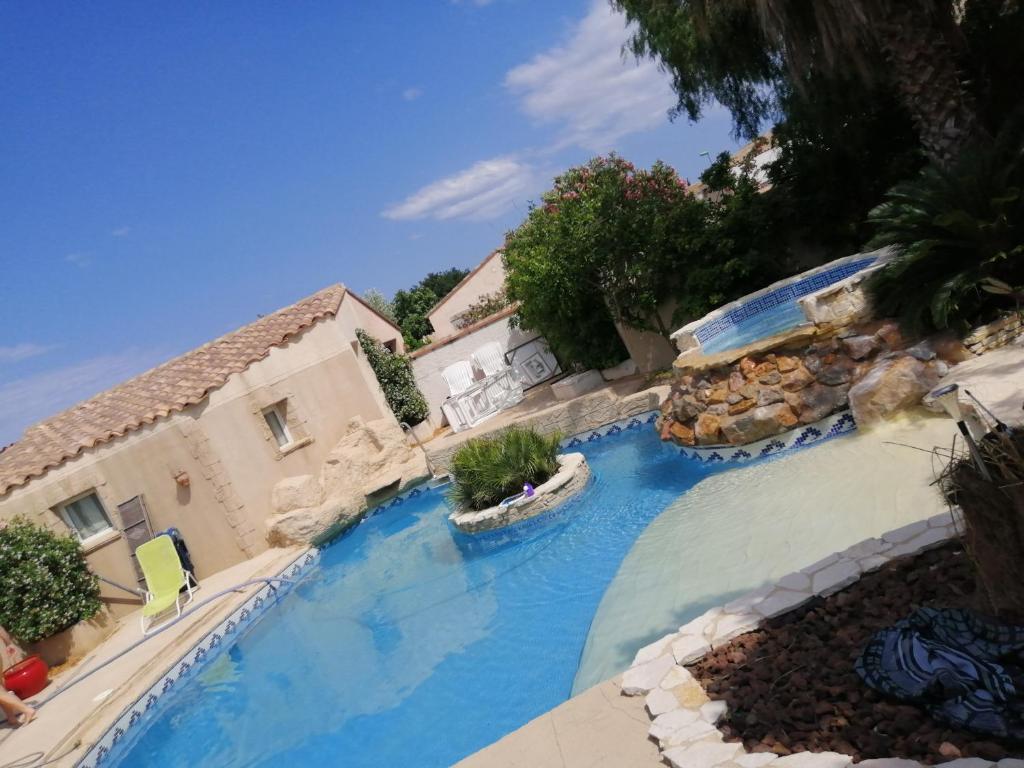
[278,423]
[86,516]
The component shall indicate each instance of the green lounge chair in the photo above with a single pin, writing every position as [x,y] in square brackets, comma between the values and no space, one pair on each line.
[164,579]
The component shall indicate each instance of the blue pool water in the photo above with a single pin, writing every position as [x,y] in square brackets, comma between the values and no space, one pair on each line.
[412,644]
[771,321]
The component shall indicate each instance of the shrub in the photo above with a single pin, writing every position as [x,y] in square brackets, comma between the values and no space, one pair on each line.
[488,469]
[394,374]
[953,230]
[47,585]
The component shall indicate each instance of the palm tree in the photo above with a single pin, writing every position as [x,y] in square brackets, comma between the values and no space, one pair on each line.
[911,42]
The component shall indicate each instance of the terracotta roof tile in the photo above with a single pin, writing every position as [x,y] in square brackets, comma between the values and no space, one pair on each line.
[150,396]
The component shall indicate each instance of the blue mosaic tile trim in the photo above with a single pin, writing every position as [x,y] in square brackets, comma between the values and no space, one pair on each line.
[610,430]
[837,424]
[783,295]
[214,642]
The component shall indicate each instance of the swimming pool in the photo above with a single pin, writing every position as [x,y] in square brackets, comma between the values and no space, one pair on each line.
[769,311]
[775,320]
[412,643]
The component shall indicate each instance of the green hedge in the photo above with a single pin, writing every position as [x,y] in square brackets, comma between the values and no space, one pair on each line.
[394,374]
[486,470]
[45,584]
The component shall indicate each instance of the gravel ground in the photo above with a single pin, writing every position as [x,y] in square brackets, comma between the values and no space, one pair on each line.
[791,686]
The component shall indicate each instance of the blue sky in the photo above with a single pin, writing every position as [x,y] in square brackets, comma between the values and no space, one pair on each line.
[171,170]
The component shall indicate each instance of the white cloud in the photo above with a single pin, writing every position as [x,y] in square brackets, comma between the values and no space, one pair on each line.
[121,231]
[30,399]
[80,260]
[23,351]
[482,191]
[411,94]
[588,86]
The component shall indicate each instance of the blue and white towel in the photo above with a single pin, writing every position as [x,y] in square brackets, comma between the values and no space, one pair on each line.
[964,670]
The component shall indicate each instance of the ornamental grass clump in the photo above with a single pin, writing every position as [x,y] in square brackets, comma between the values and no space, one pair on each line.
[45,584]
[489,469]
[992,521]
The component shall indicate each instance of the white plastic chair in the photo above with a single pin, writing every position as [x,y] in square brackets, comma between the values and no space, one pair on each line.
[459,377]
[490,358]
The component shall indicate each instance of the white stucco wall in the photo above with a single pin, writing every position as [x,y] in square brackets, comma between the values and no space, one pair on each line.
[427,366]
[489,277]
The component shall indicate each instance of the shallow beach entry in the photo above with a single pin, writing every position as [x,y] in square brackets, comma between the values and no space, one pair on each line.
[414,644]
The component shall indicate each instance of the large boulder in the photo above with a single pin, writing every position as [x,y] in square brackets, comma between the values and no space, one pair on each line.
[296,493]
[891,385]
[758,423]
[371,461]
[817,401]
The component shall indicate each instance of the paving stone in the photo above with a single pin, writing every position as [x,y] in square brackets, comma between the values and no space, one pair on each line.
[665,725]
[745,603]
[781,601]
[755,759]
[691,695]
[835,577]
[702,623]
[825,562]
[889,762]
[639,681]
[675,677]
[941,520]
[814,760]
[865,548]
[688,734]
[703,754]
[928,538]
[689,648]
[734,625]
[796,581]
[906,533]
[652,651]
[713,711]
[659,701]
[873,563]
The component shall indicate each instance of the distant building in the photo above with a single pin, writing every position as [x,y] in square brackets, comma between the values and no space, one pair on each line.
[486,280]
[760,153]
[199,442]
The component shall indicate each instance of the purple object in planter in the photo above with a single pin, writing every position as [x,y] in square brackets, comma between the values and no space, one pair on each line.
[528,490]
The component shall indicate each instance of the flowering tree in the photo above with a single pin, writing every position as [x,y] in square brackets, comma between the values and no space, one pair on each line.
[613,243]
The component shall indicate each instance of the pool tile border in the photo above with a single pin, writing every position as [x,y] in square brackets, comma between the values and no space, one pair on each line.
[686,733]
[218,638]
[839,423]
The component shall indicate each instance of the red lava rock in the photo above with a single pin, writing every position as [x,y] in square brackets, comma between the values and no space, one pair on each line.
[795,682]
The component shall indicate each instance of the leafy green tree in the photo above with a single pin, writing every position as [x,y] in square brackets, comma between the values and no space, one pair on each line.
[442,283]
[47,585]
[411,308]
[380,303]
[394,374]
[746,54]
[612,243]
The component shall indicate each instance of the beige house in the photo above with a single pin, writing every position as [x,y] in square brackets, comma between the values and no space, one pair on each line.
[486,279]
[199,442]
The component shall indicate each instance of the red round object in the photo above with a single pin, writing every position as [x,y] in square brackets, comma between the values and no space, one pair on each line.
[26,678]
